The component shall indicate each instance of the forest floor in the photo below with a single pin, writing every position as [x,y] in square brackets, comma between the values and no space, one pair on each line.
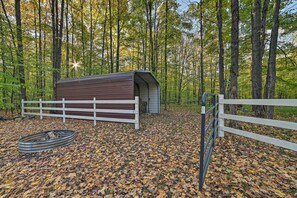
[161,160]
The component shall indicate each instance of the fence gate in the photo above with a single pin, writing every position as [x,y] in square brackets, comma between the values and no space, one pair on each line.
[212,113]
[209,132]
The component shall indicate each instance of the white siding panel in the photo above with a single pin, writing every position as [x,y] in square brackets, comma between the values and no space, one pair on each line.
[154,99]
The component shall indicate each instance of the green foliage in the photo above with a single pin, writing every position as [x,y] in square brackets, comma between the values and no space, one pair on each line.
[135,51]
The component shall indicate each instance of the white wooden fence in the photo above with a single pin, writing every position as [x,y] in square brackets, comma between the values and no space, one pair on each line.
[254,120]
[39,111]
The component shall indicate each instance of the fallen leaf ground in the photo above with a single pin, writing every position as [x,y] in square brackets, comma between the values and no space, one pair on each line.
[112,160]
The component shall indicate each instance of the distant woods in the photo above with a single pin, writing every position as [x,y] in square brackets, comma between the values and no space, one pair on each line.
[241,49]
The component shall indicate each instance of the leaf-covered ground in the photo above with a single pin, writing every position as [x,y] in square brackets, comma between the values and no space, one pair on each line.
[112,160]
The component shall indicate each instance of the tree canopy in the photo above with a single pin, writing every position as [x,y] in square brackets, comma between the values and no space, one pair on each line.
[184,43]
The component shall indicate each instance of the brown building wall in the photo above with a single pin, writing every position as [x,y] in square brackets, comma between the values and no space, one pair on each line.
[112,88]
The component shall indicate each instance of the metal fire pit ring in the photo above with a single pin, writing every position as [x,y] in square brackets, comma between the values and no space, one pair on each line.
[41,141]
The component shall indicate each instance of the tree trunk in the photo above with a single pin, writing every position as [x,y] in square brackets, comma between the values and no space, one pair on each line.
[107,54]
[67,39]
[54,45]
[103,39]
[155,37]
[12,92]
[271,73]
[221,47]
[157,48]
[57,42]
[234,55]
[20,57]
[183,57]
[83,36]
[150,23]
[44,55]
[37,92]
[9,24]
[60,33]
[91,40]
[195,79]
[175,77]
[3,46]
[263,26]
[132,53]
[41,93]
[144,44]
[10,51]
[165,54]
[72,41]
[118,39]
[215,78]
[211,76]
[138,55]
[110,37]
[257,57]
[201,48]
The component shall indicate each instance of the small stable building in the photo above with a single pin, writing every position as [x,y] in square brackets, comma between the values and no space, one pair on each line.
[115,86]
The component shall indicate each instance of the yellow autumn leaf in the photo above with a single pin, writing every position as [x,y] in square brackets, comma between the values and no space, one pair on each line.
[279,193]
[162,194]
[34,183]
[239,194]
[2,150]
[131,163]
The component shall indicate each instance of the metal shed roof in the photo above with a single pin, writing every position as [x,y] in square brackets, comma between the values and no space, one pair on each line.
[138,75]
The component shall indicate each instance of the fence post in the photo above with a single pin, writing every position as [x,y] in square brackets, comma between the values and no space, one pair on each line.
[23,108]
[201,166]
[40,108]
[221,120]
[136,112]
[63,108]
[94,107]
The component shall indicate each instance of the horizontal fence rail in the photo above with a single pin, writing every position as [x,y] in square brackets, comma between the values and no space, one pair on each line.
[267,102]
[83,102]
[262,138]
[260,121]
[39,111]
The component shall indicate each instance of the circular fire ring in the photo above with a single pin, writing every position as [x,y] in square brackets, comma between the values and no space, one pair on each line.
[45,140]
